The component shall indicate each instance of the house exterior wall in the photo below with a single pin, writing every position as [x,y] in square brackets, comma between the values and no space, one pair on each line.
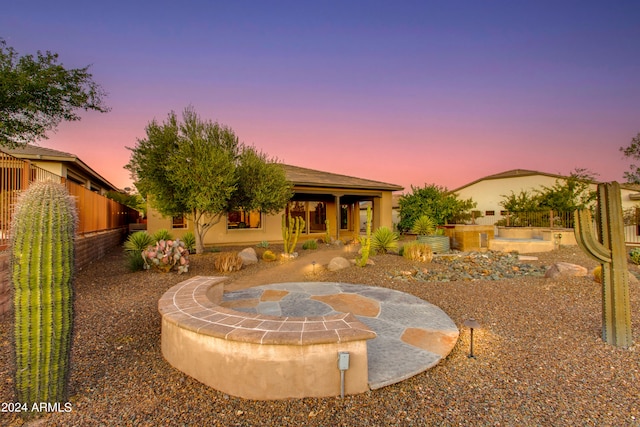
[488,194]
[271,229]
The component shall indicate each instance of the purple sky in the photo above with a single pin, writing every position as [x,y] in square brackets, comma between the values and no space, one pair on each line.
[408,93]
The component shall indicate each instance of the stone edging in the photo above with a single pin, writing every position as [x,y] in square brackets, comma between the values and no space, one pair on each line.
[193,305]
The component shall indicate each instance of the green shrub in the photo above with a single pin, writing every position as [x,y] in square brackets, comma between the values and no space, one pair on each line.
[133,247]
[635,255]
[162,234]
[310,244]
[384,240]
[189,240]
[416,251]
[263,244]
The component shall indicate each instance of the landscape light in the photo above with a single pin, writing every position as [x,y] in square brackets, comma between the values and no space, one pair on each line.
[471,324]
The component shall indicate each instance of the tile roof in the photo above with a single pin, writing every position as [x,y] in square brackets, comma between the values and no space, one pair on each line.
[314,178]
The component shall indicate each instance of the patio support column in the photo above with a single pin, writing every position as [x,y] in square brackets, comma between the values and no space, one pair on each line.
[337,218]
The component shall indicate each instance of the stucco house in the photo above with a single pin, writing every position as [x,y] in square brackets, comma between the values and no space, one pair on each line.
[488,191]
[321,198]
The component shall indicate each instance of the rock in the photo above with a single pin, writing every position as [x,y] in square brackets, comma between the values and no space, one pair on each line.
[565,269]
[338,263]
[248,256]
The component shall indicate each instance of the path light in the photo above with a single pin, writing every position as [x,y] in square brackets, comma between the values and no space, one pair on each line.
[471,324]
[557,238]
[313,266]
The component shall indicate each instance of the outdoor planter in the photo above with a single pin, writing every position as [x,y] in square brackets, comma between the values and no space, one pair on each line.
[439,244]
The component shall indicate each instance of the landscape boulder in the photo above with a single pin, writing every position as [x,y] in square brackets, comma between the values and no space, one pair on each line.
[338,263]
[565,269]
[248,256]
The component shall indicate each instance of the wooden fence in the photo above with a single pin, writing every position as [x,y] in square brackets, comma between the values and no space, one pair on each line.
[95,212]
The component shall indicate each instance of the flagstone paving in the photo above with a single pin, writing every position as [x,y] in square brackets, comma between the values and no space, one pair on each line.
[412,334]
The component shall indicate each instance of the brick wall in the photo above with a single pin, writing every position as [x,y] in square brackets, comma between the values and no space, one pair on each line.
[88,249]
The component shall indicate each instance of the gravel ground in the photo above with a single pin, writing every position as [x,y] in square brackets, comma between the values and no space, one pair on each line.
[540,358]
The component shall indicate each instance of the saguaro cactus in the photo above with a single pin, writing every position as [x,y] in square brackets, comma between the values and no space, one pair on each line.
[291,229]
[608,249]
[42,265]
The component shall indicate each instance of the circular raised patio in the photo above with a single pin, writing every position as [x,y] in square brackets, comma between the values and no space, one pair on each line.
[282,340]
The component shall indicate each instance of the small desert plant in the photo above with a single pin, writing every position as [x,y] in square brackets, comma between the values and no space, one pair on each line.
[416,251]
[310,244]
[424,226]
[162,234]
[327,234]
[268,256]
[167,254]
[635,255]
[227,261]
[189,240]
[384,240]
[365,243]
[133,247]
[263,244]
[597,274]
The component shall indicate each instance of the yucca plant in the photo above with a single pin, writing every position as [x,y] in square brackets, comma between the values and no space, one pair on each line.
[384,240]
[162,234]
[42,269]
[424,226]
[133,247]
[189,240]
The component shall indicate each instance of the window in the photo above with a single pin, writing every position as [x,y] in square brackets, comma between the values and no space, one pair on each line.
[489,213]
[317,216]
[241,219]
[344,217]
[179,222]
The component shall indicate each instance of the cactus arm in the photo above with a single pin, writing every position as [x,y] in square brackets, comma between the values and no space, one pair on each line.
[586,240]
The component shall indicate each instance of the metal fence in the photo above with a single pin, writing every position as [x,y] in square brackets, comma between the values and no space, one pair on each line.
[555,219]
[95,212]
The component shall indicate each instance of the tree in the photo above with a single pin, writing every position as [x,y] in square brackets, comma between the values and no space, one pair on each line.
[434,201]
[37,93]
[569,194]
[198,168]
[521,202]
[633,152]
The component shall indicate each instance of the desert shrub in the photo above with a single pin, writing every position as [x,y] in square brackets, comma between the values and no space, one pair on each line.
[189,240]
[228,261]
[268,256]
[162,234]
[310,244]
[635,255]
[167,254]
[384,240]
[416,251]
[133,247]
[597,274]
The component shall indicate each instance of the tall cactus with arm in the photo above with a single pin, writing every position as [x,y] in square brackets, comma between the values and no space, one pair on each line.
[609,250]
[291,229]
[42,266]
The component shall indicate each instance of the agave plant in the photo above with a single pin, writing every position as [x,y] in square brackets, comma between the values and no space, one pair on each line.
[189,241]
[384,240]
[133,247]
[162,234]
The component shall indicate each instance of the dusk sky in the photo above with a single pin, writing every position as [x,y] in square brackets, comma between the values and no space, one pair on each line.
[404,92]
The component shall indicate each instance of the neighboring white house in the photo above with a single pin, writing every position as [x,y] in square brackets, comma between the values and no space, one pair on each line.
[490,191]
